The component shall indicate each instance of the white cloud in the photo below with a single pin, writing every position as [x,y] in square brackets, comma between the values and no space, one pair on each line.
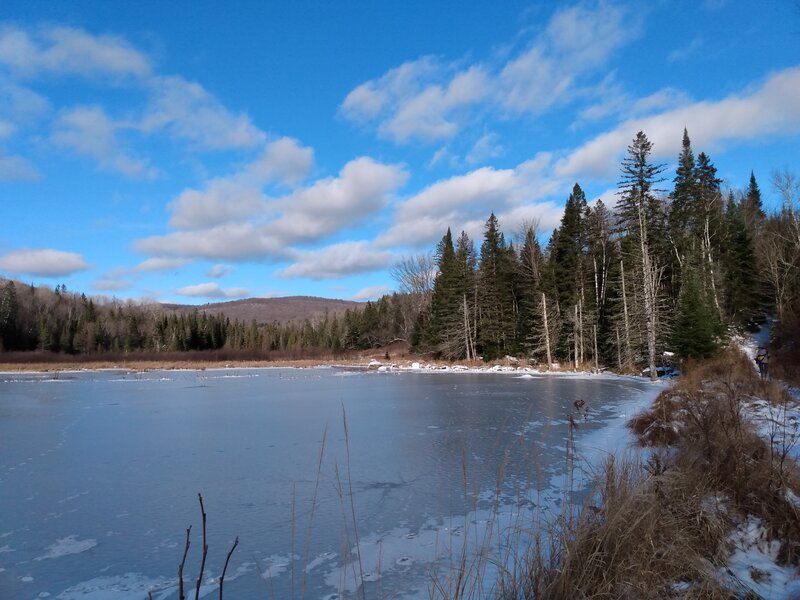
[337,260]
[285,160]
[371,293]
[430,100]
[231,241]
[486,147]
[211,290]
[429,114]
[43,262]
[110,284]
[685,51]
[362,188]
[189,113]
[417,100]
[89,131]
[768,110]
[231,227]
[219,270]
[455,202]
[16,168]
[20,103]
[577,41]
[160,264]
[238,197]
[66,51]
[615,102]
[222,201]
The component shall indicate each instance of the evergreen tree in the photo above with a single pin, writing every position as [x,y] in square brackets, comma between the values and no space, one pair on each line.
[530,320]
[640,212]
[694,330]
[8,316]
[740,271]
[752,207]
[497,317]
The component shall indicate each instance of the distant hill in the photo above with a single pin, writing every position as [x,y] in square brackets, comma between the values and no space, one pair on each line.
[268,310]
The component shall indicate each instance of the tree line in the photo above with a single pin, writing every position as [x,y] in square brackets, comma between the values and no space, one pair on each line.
[663,270]
[673,266]
[39,319]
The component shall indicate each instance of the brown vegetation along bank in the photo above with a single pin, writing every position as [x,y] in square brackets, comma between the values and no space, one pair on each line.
[665,528]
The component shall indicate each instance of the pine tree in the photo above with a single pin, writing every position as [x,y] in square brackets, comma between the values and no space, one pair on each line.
[497,317]
[444,299]
[752,207]
[639,210]
[530,319]
[740,271]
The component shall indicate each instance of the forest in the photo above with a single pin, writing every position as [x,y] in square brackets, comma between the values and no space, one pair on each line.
[672,269]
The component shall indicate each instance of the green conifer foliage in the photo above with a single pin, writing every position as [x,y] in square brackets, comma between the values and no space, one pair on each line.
[695,327]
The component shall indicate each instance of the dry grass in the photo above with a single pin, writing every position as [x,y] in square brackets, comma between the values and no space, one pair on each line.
[644,532]
[658,530]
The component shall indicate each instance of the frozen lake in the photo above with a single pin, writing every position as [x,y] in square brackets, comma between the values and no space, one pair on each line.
[99,475]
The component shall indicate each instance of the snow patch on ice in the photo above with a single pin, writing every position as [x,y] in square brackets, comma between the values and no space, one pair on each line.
[276,564]
[66,546]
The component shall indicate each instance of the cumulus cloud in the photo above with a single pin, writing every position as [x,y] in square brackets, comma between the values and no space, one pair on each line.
[241,224]
[239,195]
[21,103]
[419,99]
[211,290]
[430,100]
[67,51]
[43,262]
[615,103]
[362,188]
[189,113]
[231,241]
[486,147]
[284,160]
[222,201]
[16,168]
[767,110]
[89,131]
[219,270]
[463,199]
[160,264]
[371,293]
[337,260]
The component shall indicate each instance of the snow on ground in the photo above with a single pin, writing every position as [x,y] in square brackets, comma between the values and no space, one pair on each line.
[753,563]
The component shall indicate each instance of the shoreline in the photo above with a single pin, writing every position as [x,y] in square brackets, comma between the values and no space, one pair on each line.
[362,363]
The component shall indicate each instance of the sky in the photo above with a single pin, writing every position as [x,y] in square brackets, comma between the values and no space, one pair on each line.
[195,152]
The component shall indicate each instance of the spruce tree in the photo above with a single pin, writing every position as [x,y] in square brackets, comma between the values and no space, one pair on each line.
[695,327]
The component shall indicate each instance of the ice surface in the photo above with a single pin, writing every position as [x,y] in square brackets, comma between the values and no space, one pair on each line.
[130,586]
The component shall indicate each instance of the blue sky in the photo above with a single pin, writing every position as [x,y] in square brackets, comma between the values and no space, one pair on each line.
[198,151]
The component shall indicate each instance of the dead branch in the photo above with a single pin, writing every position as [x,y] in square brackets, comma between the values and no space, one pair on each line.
[225,569]
[181,595]
[205,550]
